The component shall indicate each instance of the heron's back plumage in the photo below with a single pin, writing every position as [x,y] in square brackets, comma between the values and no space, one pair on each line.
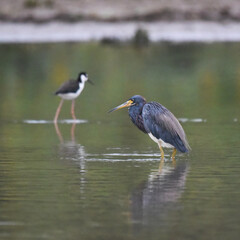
[162,124]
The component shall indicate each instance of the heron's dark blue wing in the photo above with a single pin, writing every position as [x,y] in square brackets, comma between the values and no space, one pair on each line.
[70,86]
[162,124]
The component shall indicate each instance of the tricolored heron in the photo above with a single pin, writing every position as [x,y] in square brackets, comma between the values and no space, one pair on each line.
[70,90]
[158,122]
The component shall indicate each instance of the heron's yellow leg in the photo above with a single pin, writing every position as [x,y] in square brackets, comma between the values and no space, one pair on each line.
[174,153]
[162,152]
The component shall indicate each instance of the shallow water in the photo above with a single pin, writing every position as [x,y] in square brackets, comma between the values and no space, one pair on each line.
[99,177]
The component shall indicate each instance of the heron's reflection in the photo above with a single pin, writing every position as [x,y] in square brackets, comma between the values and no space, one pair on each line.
[152,201]
[71,150]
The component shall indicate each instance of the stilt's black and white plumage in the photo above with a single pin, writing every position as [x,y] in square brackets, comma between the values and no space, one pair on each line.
[70,90]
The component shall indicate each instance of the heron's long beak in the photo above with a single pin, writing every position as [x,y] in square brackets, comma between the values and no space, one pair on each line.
[90,81]
[126,104]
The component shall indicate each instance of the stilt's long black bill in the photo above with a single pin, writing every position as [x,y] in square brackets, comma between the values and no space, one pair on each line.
[126,104]
[90,81]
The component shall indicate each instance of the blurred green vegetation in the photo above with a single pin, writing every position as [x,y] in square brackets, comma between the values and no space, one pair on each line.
[192,80]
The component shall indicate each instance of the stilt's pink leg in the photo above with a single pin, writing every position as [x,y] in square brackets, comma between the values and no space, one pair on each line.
[72,110]
[58,132]
[58,111]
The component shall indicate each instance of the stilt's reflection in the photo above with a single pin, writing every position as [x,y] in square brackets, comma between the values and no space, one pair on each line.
[73,132]
[71,150]
[60,134]
[153,200]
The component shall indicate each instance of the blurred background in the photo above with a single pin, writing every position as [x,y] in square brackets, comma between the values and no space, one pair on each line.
[44,10]
[100,178]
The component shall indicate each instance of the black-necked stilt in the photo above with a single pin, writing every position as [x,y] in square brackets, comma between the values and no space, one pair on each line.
[160,124]
[70,90]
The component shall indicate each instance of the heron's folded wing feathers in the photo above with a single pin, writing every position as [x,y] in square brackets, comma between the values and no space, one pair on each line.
[163,124]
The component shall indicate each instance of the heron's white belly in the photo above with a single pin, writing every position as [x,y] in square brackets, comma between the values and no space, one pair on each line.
[160,142]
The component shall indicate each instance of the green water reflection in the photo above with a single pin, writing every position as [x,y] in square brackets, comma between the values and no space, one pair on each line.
[100,179]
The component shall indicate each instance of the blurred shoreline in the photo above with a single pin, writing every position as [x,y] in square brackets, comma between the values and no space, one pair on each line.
[112,21]
[120,32]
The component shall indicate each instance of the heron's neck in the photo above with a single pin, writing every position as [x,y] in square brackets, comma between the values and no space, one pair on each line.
[135,113]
